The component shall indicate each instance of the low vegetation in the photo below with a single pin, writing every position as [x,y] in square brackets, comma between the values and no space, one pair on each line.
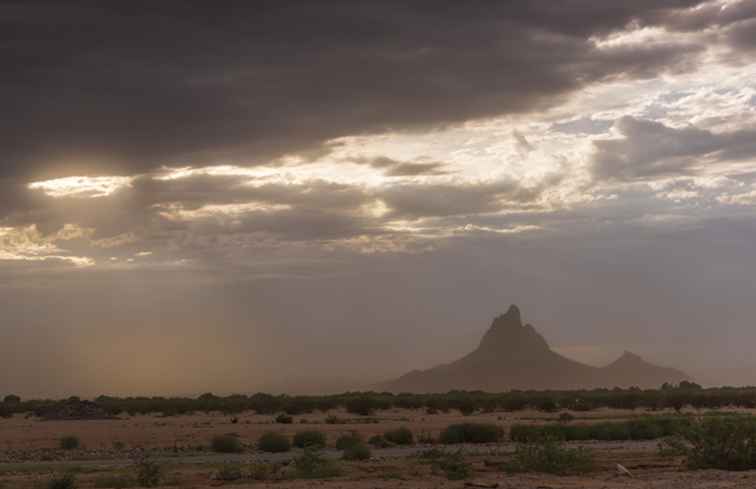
[647,428]
[367,403]
[229,473]
[309,438]
[347,440]
[284,419]
[400,436]
[149,473]
[471,433]
[724,442]
[69,442]
[312,465]
[453,466]
[357,451]
[378,441]
[67,481]
[551,458]
[226,444]
[273,442]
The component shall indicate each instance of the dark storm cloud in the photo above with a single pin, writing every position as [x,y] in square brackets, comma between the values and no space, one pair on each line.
[395,168]
[709,14]
[122,88]
[649,149]
[411,201]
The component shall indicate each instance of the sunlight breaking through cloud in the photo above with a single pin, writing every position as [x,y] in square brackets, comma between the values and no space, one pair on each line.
[82,186]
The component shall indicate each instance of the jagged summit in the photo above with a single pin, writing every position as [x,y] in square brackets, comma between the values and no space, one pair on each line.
[508,335]
[515,356]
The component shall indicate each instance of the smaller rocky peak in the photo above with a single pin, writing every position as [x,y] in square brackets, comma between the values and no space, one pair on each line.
[510,318]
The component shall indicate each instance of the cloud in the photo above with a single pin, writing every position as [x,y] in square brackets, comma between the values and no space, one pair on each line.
[395,168]
[305,75]
[649,150]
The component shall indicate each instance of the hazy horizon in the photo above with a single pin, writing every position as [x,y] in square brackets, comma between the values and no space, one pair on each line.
[287,196]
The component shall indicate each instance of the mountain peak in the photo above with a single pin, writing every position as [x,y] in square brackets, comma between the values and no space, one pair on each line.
[515,356]
[508,335]
[512,314]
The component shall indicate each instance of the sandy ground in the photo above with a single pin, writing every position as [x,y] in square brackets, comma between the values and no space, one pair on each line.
[29,453]
[197,430]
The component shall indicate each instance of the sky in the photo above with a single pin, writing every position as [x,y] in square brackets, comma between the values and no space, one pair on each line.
[310,196]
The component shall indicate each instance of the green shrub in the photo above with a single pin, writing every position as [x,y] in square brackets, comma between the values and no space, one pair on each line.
[70,442]
[261,471]
[378,441]
[365,406]
[551,458]
[345,441]
[284,419]
[453,466]
[229,473]
[312,465]
[471,433]
[425,438]
[67,481]
[226,444]
[5,412]
[357,451]
[400,436]
[149,473]
[648,428]
[315,439]
[273,442]
[726,443]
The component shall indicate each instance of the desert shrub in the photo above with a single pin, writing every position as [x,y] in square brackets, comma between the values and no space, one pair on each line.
[284,418]
[115,482]
[357,451]
[726,443]
[311,438]
[425,438]
[454,466]
[551,458]
[5,412]
[471,433]
[333,419]
[400,436]
[378,441]
[149,473]
[345,441]
[261,471]
[365,406]
[11,399]
[67,481]
[466,408]
[69,442]
[273,442]
[548,405]
[649,428]
[312,465]
[229,473]
[226,444]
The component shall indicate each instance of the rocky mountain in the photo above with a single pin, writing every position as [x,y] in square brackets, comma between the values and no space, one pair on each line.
[515,356]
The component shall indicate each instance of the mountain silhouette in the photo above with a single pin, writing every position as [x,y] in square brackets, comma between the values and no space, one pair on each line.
[515,356]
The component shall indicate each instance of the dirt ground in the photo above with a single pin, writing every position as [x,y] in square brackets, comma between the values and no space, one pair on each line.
[29,453]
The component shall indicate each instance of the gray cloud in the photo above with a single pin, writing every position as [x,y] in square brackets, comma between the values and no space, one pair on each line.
[395,168]
[649,150]
[253,81]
